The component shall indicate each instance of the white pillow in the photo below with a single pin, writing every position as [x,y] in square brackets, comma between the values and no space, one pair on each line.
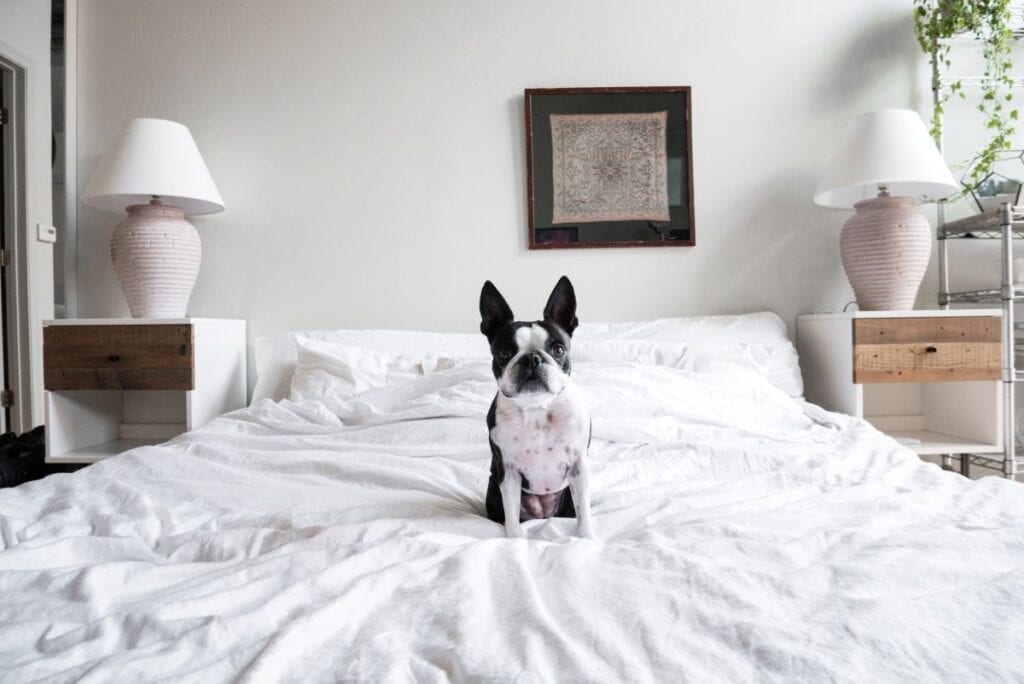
[772,363]
[767,349]
[276,355]
[756,340]
[763,327]
[330,369]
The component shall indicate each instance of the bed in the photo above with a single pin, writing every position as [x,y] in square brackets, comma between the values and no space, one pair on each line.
[334,530]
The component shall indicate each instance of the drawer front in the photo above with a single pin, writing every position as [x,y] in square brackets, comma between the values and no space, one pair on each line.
[151,357]
[926,349]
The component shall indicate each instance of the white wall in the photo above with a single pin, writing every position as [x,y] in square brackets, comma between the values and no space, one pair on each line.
[25,39]
[371,152]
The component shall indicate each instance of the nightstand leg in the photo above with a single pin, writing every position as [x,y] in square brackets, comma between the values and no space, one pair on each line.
[947,461]
[965,465]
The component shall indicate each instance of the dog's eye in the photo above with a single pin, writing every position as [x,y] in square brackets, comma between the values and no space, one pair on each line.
[557,350]
[505,354]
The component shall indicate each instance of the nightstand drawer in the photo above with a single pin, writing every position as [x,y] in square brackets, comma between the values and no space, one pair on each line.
[131,357]
[922,349]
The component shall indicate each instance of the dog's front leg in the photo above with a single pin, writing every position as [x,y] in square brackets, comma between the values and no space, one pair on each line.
[511,498]
[579,488]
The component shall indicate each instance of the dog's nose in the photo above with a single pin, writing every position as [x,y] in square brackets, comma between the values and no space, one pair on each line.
[536,359]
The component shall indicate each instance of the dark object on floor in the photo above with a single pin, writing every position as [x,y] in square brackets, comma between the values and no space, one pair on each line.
[21,457]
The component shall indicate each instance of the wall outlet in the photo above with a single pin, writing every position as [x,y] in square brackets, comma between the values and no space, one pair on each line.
[46,233]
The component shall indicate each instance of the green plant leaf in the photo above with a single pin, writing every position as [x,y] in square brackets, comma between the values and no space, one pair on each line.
[936,21]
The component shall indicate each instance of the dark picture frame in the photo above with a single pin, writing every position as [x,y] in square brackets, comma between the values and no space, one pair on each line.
[587,143]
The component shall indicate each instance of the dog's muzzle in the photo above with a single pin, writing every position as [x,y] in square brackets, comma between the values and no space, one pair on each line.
[531,375]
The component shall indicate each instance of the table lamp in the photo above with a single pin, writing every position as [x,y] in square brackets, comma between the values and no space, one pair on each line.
[885,164]
[154,169]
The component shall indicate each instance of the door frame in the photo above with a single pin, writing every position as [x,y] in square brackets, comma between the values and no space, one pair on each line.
[15,307]
[68,238]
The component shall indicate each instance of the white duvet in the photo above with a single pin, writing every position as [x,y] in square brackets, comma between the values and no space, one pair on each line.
[746,536]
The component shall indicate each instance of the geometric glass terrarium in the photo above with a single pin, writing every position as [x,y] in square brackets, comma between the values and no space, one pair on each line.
[1003,182]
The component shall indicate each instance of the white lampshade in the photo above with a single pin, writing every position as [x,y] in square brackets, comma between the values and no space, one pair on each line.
[153,157]
[890,147]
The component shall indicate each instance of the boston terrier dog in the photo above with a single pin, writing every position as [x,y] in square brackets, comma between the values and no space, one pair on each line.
[538,422]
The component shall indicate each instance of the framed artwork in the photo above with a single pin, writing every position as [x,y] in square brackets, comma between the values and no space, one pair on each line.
[609,167]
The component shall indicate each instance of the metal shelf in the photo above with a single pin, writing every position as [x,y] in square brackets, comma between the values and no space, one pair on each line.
[985,225]
[981,81]
[995,459]
[1004,224]
[993,296]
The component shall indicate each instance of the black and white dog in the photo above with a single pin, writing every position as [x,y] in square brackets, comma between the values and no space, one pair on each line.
[538,422]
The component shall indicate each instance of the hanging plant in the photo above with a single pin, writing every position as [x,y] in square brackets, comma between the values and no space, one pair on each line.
[988,21]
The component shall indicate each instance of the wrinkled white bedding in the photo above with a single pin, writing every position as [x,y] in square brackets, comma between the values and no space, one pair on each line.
[746,535]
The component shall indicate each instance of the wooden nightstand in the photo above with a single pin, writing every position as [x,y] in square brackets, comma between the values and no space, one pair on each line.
[930,379]
[115,384]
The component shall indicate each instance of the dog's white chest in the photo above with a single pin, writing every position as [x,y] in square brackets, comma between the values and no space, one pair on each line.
[543,442]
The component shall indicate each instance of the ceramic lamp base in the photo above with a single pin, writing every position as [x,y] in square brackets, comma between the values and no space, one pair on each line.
[885,248]
[156,255]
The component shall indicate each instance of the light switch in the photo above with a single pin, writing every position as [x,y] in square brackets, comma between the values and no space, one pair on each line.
[46,233]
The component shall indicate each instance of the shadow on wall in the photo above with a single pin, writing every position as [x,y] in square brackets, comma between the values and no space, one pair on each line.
[797,250]
[875,52]
[883,49]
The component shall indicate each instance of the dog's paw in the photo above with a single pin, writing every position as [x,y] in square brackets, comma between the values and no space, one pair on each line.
[588,532]
[514,532]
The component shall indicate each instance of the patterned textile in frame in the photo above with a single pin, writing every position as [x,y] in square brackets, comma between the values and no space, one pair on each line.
[609,167]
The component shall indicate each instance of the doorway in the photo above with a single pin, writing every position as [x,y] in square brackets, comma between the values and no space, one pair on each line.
[15,392]
[8,220]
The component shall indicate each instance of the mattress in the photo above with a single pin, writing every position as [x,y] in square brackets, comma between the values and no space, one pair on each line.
[745,535]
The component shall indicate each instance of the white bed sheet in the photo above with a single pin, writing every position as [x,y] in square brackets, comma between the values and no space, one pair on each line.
[746,535]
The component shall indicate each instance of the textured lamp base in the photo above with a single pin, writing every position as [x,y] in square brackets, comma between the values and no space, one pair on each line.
[156,255]
[885,247]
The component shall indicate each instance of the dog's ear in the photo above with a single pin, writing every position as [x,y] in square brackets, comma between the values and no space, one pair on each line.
[494,310]
[561,306]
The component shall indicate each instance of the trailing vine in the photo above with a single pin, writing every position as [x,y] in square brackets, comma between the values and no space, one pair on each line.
[988,21]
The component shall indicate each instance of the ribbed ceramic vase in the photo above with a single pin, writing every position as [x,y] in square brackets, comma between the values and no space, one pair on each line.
[885,247]
[156,255]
